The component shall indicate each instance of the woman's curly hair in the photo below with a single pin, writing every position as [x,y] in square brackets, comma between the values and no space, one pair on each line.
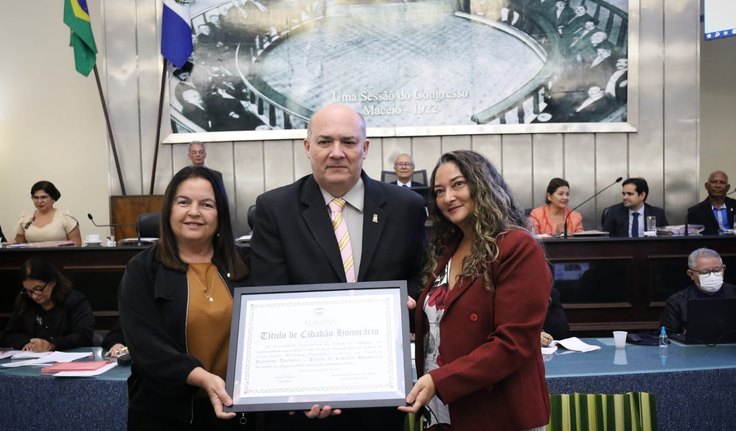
[496,211]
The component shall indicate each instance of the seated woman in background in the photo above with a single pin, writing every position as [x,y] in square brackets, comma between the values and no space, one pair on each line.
[114,342]
[48,314]
[550,218]
[47,223]
[555,325]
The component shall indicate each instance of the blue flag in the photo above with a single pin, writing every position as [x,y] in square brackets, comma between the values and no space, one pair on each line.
[176,32]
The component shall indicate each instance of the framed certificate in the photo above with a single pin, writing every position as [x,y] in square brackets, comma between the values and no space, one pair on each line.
[343,345]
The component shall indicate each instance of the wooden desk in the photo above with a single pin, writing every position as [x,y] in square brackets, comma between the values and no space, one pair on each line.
[621,283]
[124,211]
[605,283]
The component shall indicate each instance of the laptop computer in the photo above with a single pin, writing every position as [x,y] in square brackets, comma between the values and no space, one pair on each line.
[710,321]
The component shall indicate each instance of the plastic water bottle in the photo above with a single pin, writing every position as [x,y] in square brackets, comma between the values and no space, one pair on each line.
[663,345]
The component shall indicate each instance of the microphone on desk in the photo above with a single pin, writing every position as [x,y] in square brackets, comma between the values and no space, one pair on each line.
[618,180]
[135,225]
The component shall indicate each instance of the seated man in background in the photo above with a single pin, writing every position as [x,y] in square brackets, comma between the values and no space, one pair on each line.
[716,212]
[706,271]
[404,168]
[198,155]
[629,217]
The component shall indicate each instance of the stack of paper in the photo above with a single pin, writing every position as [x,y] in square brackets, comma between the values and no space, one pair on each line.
[74,366]
[586,233]
[575,344]
[21,354]
[43,359]
[43,244]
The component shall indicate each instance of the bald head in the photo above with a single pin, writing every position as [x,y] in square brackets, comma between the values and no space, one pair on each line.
[334,111]
[197,153]
[717,186]
[336,146]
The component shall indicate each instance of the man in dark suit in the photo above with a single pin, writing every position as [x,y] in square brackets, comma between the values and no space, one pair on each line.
[578,20]
[561,15]
[404,169]
[198,154]
[618,82]
[716,212]
[705,269]
[294,242]
[597,106]
[192,106]
[621,220]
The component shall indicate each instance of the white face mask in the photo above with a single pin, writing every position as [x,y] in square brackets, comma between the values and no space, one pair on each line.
[711,282]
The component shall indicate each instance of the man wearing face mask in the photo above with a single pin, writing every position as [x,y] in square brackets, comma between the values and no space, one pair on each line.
[706,272]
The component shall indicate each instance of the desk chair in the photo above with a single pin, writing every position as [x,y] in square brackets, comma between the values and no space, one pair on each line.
[251,216]
[604,215]
[148,225]
[418,176]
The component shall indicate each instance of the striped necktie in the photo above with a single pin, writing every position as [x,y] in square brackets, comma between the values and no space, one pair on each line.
[343,237]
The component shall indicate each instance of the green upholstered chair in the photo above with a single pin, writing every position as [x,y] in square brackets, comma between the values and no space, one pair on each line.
[634,411]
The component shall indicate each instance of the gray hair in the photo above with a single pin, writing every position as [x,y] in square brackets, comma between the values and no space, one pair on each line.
[200,143]
[702,252]
[411,159]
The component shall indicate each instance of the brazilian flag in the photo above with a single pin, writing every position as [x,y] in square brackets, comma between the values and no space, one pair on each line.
[76,16]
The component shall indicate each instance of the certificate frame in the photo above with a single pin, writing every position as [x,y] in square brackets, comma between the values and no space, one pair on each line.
[285,339]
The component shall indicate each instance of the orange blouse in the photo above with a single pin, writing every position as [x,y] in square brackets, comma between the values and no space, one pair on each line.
[540,220]
[208,317]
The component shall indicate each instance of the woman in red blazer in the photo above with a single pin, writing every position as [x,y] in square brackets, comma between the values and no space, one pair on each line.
[483,306]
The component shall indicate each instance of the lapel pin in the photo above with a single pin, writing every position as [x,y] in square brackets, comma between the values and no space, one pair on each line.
[375,218]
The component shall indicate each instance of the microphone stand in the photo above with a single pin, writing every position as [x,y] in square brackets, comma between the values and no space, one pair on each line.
[618,180]
[113,226]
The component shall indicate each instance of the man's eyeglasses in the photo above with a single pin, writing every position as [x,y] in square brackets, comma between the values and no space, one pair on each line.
[37,290]
[404,164]
[710,271]
[40,198]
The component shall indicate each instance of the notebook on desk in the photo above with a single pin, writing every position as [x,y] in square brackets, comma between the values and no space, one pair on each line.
[710,321]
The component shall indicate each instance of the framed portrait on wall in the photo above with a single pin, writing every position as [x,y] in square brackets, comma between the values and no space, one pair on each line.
[260,68]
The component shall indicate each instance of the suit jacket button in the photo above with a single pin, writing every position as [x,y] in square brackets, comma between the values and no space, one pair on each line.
[473,317]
